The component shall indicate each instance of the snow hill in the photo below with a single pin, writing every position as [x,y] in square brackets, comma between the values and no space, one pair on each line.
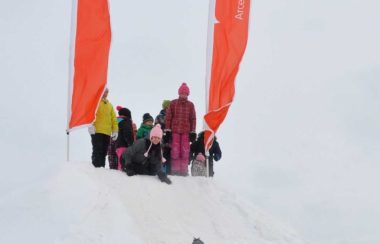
[81,204]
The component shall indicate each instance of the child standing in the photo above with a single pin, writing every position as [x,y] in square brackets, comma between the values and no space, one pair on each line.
[145,126]
[180,123]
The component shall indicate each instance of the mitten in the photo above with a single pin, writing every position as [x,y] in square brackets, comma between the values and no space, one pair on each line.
[167,136]
[192,136]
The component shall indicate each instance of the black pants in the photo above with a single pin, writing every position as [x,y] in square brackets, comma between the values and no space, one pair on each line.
[100,144]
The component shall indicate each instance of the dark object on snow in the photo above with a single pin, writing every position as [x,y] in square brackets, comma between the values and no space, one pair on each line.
[163,177]
[197,241]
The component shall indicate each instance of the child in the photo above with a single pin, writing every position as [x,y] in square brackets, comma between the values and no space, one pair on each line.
[126,135]
[180,123]
[160,119]
[122,140]
[145,156]
[199,147]
[145,126]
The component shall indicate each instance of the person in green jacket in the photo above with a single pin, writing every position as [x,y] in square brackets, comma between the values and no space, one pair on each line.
[145,126]
[102,130]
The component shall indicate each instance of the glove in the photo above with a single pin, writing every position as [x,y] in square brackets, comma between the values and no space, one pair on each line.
[192,136]
[92,130]
[114,136]
[217,157]
[168,136]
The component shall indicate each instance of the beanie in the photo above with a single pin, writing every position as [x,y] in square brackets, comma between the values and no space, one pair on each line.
[147,117]
[200,157]
[125,112]
[156,131]
[118,107]
[184,89]
[165,104]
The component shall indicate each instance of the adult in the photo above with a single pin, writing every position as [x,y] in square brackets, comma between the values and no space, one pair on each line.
[102,130]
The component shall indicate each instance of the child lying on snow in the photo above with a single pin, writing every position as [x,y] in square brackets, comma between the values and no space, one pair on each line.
[144,157]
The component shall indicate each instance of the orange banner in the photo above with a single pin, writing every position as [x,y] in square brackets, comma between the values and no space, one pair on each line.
[92,45]
[230,25]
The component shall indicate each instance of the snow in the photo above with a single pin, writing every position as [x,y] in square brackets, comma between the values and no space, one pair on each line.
[300,142]
[82,204]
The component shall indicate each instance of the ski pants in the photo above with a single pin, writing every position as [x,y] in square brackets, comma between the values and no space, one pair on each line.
[180,154]
[112,156]
[119,152]
[100,144]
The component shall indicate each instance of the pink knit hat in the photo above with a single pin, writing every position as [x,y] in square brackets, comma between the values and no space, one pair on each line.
[156,131]
[200,157]
[184,89]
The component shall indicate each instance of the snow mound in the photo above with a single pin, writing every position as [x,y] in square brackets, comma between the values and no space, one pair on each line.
[82,204]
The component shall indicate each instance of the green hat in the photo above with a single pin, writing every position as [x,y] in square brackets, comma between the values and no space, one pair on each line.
[165,104]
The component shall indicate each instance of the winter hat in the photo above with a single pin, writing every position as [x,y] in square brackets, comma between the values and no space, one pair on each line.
[118,107]
[184,89]
[156,131]
[147,117]
[200,157]
[165,104]
[125,112]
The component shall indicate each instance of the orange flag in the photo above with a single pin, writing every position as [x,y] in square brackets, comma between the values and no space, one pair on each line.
[228,34]
[92,40]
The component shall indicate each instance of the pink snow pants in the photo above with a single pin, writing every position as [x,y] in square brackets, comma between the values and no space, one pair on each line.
[180,153]
[119,152]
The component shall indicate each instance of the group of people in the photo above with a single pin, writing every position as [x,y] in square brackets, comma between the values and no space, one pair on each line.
[161,146]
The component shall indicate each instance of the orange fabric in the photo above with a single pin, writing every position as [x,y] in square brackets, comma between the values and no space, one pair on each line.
[230,40]
[92,45]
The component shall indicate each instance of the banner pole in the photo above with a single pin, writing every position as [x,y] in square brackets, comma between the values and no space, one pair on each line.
[209,53]
[68,147]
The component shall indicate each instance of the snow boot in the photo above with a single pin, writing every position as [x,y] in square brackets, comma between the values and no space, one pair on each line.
[164,178]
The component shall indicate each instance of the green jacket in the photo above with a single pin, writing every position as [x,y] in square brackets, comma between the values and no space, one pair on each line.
[143,131]
[105,121]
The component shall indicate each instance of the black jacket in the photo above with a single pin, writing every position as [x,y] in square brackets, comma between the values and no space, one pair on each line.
[125,137]
[134,157]
[199,147]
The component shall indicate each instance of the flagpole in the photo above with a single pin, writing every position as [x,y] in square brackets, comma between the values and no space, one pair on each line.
[71,72]
[210,40]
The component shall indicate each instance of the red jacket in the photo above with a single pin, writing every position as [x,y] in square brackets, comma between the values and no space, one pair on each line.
[180,116]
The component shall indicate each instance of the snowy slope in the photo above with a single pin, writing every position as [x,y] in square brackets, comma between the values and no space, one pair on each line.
[82,204]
